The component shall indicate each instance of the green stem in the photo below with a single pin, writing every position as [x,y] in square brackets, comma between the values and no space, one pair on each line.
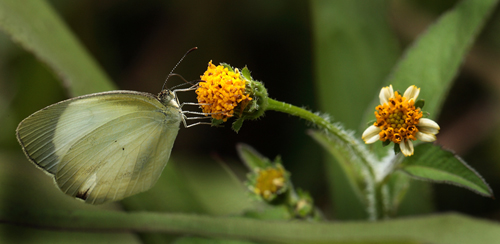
[380,205]
[372,207]
[320,122]
[417,229]
[307,115]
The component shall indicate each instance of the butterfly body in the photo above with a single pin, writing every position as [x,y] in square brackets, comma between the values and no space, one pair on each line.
[104,146]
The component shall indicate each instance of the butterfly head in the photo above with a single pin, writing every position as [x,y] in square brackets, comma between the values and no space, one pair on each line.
[168,98]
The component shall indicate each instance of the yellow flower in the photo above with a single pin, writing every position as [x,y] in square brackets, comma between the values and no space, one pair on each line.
[399,121]
[221,91]
[270,182]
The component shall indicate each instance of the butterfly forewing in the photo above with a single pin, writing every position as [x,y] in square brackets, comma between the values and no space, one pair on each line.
[36,134]
[104,146]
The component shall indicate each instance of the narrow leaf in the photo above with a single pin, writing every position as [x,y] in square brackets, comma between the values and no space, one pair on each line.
[346,44]
[434,59]
[350,52]
[433,163]
[246,73]
[251,158]
[38,28]
[396,189]
[354,169]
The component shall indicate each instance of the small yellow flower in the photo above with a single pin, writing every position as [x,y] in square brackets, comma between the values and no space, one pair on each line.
[270,182]
[221,91]
[399,121]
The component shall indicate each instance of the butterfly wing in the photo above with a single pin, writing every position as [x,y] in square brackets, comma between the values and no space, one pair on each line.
[104,146]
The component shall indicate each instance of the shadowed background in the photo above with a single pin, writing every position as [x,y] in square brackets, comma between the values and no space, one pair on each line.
[137,44]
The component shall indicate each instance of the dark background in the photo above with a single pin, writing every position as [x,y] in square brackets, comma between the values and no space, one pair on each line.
[138,44]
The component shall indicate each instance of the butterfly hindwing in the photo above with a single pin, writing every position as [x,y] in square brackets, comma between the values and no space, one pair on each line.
[122,157]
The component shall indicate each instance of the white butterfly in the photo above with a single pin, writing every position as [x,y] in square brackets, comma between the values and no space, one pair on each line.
[104,146]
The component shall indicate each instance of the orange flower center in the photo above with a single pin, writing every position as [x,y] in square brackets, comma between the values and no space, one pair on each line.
[397,119]
[221,91]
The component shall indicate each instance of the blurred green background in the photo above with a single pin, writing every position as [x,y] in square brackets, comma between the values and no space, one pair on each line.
[138,43]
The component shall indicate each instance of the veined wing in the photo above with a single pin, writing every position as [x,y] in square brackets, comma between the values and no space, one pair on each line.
[47,135]
[120,158]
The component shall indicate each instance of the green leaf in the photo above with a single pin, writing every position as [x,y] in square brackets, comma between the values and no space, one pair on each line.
[420,103]
[252,159]
[434,59]
[237,124]
[217,122]
[395,190]
[351,53]
[246,73]
[397,148]
[354,47]
[37,28]
[431,162]
[228,66]
[352,166]
[386,143]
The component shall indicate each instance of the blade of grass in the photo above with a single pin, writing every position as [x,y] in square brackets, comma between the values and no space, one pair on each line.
[354,50]
[37,28]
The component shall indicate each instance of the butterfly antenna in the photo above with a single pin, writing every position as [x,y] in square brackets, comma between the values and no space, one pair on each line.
[186,82]
[170,74]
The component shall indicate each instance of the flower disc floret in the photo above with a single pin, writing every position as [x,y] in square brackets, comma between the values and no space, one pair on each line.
[221,91]
[397,119]
[269,182]
[400,121]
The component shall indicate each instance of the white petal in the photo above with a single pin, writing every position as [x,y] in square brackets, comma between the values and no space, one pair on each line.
[428,126]
[386,93]
[406,147]
[370,135]
[428,130]
[425,137]
[412,93]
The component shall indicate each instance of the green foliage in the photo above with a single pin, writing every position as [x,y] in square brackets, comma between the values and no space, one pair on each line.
[445,228]
[255,107]
[246,73]
[394,192]
[251,158]
[264,173]
[354,50]
[356,171]
[433,60]
[433,163]
[431,63]
[36,27]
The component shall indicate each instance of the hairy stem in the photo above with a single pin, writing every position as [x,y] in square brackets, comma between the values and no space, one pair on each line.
[373,208]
